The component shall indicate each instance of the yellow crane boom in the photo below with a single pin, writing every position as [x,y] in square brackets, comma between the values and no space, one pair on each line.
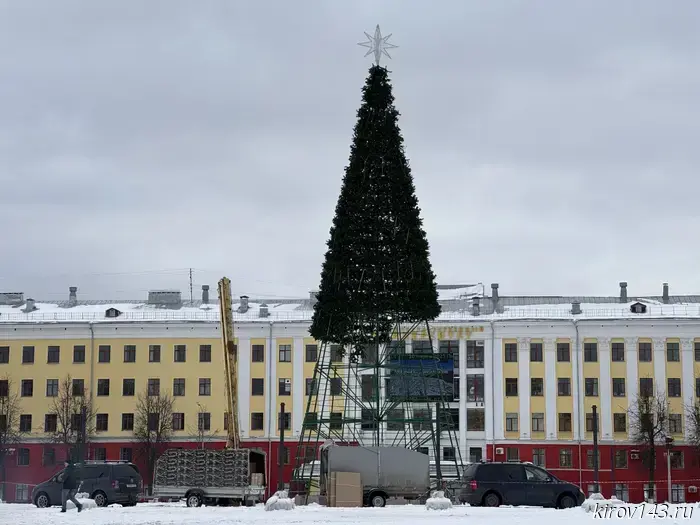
[230,363]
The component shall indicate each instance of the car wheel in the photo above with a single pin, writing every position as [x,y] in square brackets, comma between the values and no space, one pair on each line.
[100,499]
[492,500]
[378,500]
[194,500]
[42,500]
[566,502]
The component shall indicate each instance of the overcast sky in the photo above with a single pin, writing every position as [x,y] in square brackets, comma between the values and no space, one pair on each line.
[554,145]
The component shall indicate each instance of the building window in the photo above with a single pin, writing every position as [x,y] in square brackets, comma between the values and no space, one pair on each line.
[421,346]
[646,387]
[204,421]
[154,353]
[673,352]
[422,419]
[564,422]
[336,422]
[49,457]
[564,386]
[285,353]
[563,352]
[336,353]
[592,387]
[4,387]
[129,353]
[336,386]
[675,423]
[476,419]
[153,421]
[476,454]
[22,457]
[674,387]
[311,353]
[258,353]
[618,386]
[370,353]
[178,421]
[76,423]
[618,352]
[54,355]
[179,386]
[78,388]
[104,353]
[511,386]
[620,422]
[475,387]
[257,421]
[448,453]
[590,352]
[25,423]
[79,354]
[129,387]
[311,387]
[697,351]
[589,422]
[677,459]
[4,355]
[126,454]
[450,346]
[52,388]
[536,352]
[678,494]
[475,354]
[100,454]
[590,457]
[645,352]
[27,355]
[620,459]
[536,386]
[511,422]
[103,387]
[27,387]
[368,387]
[286,420]
[566,458]
[50,423]
[101,422]
[512,454]
[538,422]
[205,353]
[128,422]
[622,492]
[511,352]
[204,386]
[284,387]
[154,387]
[395,420]
[538,457]
[180,353]
[697,387]
[257,387]
[21,492]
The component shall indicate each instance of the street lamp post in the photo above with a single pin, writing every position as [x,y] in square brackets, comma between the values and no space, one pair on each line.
[669,446]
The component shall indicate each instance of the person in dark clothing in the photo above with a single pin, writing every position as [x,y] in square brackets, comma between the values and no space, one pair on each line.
[70,487]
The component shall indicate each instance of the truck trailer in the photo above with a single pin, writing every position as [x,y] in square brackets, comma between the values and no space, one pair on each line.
[385,472]
[205,476]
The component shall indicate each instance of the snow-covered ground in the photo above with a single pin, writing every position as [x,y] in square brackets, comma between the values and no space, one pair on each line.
[175,514]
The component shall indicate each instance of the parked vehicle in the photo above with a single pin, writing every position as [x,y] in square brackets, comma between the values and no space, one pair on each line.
[209,476]
[105,481]
[384,471]
[494,484]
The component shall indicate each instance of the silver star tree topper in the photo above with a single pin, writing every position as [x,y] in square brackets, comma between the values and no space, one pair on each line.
[377,44]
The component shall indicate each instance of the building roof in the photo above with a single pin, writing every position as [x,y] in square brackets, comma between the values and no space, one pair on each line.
[457,301]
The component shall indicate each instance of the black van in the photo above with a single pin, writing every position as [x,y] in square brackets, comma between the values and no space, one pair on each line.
[106,481]
[494,484]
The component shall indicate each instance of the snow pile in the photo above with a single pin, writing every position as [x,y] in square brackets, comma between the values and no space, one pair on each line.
[280,500]
[438,501]
[84,499]
[597,500]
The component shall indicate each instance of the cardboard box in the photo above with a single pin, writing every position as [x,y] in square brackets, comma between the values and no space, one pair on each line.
[346,489]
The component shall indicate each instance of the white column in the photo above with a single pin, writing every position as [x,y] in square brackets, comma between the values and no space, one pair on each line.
[550,388]
[576,388]
[524,386]
[244,386]
[495,378]
[271,385]
[632,381]
[299,384]
[659,367]
[605,388]
[687,380]
[463,397]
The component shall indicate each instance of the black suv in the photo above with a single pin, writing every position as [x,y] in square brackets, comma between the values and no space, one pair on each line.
[106,482]
[494,484]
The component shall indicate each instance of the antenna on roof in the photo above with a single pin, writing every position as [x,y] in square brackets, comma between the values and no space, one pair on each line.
[191,296]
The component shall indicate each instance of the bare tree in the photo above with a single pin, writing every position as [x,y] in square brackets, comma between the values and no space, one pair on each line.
[693,430]
[9,422]
[648,416]
[153,427]
[75,417]
[202,427]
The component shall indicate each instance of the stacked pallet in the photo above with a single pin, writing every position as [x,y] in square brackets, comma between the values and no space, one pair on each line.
[203,468]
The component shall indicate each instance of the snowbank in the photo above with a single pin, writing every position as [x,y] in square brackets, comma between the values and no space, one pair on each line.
[280,500]
[84,499]
[597,500]
[438,501]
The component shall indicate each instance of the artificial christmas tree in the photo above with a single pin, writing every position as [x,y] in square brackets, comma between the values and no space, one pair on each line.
[377,272]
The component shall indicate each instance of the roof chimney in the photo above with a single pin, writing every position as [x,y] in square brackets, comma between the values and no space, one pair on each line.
[495,299]
[623,292]
[72,295]
[205,294]
[29,306]
[264,311]
[475,306]
[665,294]
[243,307]
[576,308]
